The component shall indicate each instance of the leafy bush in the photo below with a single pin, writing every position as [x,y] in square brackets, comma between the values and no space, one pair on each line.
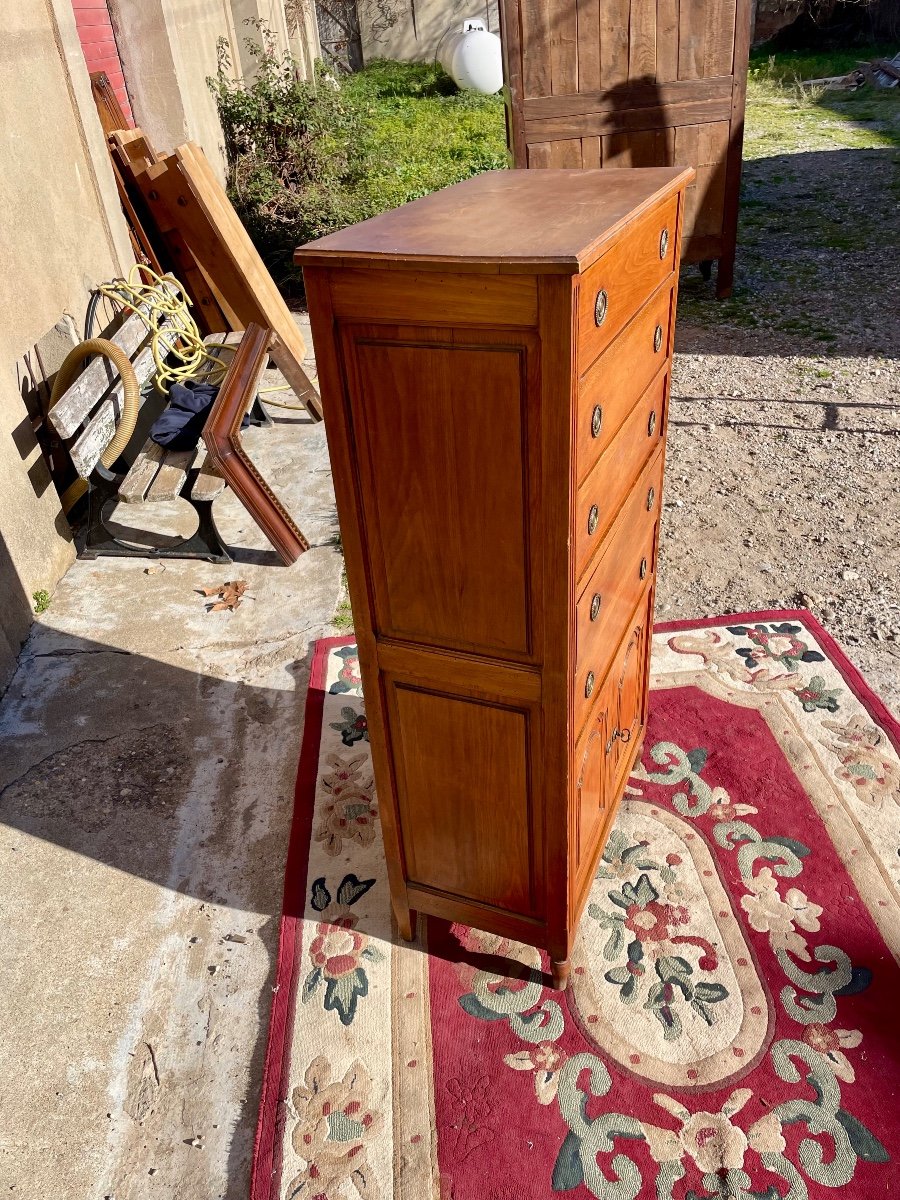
[307,158]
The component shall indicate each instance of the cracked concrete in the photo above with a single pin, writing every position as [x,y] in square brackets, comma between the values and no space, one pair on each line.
[146,784]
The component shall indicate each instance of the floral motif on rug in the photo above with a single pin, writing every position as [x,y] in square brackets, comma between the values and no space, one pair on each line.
[728,1030]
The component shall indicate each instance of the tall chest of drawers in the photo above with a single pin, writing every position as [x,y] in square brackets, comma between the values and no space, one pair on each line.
[494,362]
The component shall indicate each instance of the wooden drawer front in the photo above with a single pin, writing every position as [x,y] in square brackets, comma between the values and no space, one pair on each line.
[616,286]
[603,493]
[592,773]
[618,378]
[630,683]
[626,568]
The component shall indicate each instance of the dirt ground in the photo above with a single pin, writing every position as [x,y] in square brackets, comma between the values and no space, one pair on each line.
[784,441]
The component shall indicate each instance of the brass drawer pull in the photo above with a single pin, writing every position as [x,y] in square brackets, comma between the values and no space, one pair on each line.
[589,684]
[596,420]
[651,498]
[651,424]
[624,735]
[601,304]
[596,601]
[657,339]
[594,518]
[664,243]
[612,738]
[643,568]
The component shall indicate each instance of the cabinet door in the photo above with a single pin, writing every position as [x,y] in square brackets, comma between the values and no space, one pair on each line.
[631,689]
[593,777]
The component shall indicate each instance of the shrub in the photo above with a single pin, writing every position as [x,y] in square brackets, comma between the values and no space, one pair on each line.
[308,157]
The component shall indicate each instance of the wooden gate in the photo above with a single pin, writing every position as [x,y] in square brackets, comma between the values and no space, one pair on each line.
[622,83]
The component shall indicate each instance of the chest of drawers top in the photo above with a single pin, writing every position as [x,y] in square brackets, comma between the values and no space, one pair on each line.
[533,222]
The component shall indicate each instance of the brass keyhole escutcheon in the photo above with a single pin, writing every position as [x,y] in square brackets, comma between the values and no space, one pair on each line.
[589,684]
[657,339]
[601,304]
[596,420]
[651,498]
[596,601]
[643,568]
[594,517]
[651,424]
[664,243]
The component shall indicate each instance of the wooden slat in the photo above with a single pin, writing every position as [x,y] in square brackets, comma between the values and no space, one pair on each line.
[77,402]
[172,475]
[511,48]
[687,145]
[566,153]
[666,41]
[564,49]
[639,95]
[692,18]
[719,49]
[539,154]
[614,22]
[135,484]
[642,41]
[633,120]
[209,483]
[649,148]
[743,26]
[536,37]
[590,152]
[589,78]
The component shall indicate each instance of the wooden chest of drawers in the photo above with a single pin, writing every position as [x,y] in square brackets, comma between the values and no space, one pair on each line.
[494,362]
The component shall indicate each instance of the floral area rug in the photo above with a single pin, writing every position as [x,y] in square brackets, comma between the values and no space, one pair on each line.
[731,1027]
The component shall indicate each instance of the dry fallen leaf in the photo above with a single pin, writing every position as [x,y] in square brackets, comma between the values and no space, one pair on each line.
[229,594]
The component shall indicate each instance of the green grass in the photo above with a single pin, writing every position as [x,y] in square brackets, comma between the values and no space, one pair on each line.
[422,132]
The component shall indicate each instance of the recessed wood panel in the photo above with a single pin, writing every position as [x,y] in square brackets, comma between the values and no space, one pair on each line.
[443,433]
[463,785]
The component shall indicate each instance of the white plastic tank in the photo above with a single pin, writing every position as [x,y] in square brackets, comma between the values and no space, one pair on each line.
[472,58]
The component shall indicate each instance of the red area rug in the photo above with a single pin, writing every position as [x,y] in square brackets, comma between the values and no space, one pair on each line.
[730,1029]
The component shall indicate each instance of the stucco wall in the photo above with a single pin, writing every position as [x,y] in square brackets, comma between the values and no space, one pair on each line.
[410,30]
[62,232]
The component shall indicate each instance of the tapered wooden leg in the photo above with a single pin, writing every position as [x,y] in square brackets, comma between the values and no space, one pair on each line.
[560,968]
[406,924]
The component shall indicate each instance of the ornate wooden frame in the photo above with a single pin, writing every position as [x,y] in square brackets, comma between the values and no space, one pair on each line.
[222,435]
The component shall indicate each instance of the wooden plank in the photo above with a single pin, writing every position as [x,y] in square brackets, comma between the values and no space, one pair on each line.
[76,403]
[691,38]
[700,112]
[642,41]
[687,145]
[591,152]
[743,25]
[539,154]
[143,471]
[719,51]
[222,245]
[513,91]
[639,95]
[209,483]
[647,148]
[564,49]
[589,77]
[535,16]
[666,41]
[614,22]
[565,153]
[172,475]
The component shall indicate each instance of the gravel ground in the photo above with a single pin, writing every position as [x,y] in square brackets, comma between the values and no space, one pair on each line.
[784,442]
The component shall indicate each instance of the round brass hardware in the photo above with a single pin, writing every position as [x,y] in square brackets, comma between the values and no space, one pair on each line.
[594,517]
[651,498]
[589,684]
[643,568]
[596,601]
[651,424]
[612,738]
[601,304]
[657,339]
[596,420]
[664,243]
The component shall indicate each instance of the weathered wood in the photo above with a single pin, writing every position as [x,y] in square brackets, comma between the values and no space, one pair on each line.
[77,402]
[640,95]
[171,476]
[209,483]
[143,471]
[668,116]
